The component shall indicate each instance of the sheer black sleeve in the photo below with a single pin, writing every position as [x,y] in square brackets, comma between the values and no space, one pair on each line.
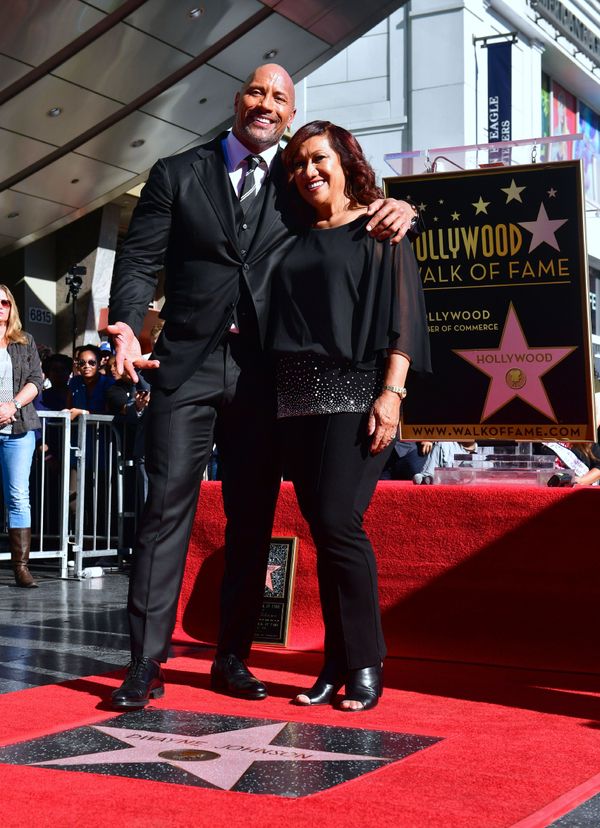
[400,319]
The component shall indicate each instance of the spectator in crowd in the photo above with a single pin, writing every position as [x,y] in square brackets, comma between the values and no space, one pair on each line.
[87,390]
[581,458]
[44,351]
[87,395]
[589,454]
[155,332]
[75,364]
[20,383]
[441,456]
[105,355]
[406,460]
[215,218]
[348,320]
[49,441]
[57,370]
[128,403]
[125,397]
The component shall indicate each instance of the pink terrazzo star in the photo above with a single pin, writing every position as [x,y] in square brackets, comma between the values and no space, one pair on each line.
[515,369]
[218,758]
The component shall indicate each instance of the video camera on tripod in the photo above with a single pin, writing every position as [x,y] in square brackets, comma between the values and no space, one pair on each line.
[74,280]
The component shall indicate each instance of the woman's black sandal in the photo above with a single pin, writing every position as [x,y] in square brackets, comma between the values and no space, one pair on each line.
[325,687]
[364,685]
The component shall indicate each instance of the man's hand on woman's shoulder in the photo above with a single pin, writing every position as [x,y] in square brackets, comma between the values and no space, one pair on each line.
[392,219]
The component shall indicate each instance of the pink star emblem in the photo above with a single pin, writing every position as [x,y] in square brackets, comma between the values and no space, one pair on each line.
[271,568]
[515,369]
[543,229]
[220,759]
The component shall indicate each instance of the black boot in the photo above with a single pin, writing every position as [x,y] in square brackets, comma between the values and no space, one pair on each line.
[144,681]
[19,541]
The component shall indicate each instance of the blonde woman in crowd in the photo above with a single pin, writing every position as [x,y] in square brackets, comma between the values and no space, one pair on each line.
[20,382]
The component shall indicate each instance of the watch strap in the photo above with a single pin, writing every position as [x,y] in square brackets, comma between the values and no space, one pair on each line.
[397,389]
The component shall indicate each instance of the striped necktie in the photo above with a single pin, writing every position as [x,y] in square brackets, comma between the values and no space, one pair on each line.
[249,188]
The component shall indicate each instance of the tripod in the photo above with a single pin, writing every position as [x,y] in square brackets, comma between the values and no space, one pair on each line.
[74,282]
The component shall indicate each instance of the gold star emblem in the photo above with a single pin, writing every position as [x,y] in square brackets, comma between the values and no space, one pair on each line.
[422,207]
[480,206]
[513,193]
[455,216]
[552,192]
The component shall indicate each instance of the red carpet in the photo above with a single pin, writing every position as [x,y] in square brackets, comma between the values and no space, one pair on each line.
[513,742]
[497,575]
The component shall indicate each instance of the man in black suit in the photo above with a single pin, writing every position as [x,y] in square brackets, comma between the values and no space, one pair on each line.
[215,216]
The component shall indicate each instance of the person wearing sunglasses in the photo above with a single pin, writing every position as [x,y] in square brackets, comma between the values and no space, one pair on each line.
[87,388]
[87,395]
[21,381]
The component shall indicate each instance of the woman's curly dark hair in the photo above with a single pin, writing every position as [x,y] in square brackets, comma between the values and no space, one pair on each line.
[361,186]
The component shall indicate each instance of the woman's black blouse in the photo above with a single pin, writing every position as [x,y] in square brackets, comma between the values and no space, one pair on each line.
[342,294]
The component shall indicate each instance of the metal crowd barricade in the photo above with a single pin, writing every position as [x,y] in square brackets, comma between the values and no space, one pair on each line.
[77,492]
[97,471]
[49,488]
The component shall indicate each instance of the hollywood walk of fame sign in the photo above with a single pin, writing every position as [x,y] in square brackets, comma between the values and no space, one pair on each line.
[503,265]
[274,621]
[228,753]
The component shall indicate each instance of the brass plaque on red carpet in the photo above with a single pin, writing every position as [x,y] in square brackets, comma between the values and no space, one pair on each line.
[504,270]
[274,622]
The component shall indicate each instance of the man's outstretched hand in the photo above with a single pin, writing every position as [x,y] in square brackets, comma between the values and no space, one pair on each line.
[128,351]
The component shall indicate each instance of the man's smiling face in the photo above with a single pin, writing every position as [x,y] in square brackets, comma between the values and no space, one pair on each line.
[264,108]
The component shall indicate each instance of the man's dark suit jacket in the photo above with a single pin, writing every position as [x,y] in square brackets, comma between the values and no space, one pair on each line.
[186,220]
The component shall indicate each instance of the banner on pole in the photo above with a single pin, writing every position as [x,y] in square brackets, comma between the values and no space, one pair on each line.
[499,99]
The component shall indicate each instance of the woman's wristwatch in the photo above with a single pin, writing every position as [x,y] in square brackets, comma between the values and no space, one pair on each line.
[17,404]
[397,389]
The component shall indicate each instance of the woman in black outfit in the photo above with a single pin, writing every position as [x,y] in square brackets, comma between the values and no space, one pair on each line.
[348,321]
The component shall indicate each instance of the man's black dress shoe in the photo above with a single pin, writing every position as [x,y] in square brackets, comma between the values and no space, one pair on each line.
[144,681]
[230,675]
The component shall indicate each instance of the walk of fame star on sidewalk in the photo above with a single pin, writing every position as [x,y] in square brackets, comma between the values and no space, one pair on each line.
[220,758]
[225,752]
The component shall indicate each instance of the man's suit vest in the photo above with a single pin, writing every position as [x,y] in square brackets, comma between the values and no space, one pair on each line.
[244,313]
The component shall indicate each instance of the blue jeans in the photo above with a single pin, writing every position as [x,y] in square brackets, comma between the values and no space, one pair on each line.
[16,453]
